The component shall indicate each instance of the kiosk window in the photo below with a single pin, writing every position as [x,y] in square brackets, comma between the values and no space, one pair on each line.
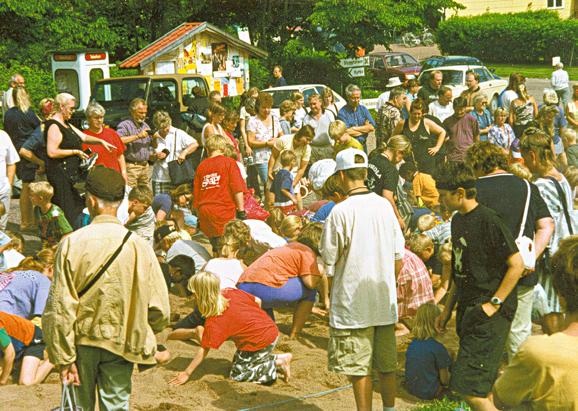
[67,82]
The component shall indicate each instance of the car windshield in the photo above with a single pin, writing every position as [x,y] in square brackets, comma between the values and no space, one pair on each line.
[280,96]
[119,91]
[453,77]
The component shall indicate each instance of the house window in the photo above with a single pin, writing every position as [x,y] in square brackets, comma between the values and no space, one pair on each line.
[555,4]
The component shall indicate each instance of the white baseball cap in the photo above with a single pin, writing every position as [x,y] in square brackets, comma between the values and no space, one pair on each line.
[345,159]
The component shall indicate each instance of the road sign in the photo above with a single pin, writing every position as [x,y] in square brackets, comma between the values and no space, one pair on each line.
[357,72]
[357,62]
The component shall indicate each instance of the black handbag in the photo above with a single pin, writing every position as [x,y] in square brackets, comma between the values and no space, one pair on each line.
[181,173]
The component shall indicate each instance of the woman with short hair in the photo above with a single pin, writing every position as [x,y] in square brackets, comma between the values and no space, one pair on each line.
[172,144]
[64,150]
[96,128]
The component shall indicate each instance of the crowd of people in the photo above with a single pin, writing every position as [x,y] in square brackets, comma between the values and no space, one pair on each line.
[456,207]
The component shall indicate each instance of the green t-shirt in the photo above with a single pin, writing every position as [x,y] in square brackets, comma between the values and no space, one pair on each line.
[4,338]
[53,224]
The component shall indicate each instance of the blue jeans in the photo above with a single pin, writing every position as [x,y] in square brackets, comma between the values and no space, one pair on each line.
[271,297]
[262,171]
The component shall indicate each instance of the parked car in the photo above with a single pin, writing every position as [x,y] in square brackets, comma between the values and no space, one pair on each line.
[384,64]
[172,93]
[439,61]
[455,78]
[281,94]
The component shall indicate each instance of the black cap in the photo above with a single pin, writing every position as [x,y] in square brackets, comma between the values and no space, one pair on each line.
[105,183]
[163,231]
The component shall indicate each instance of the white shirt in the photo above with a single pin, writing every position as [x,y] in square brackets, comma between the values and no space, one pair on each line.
[439,111]
[321,127]
[507,98]
[197,252]
[360,242]
[298,117]
[560,79]
[382,99]
[228,270]
[8,156]
[7,99]
[262,233]
[175,141]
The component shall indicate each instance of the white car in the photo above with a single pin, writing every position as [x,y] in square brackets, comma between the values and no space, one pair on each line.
[281,94]
[455,78]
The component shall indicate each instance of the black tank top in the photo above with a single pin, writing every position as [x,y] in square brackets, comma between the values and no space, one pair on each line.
[421,140]
[70,141]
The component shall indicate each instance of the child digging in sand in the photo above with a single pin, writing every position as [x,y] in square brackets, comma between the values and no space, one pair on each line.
[235,315]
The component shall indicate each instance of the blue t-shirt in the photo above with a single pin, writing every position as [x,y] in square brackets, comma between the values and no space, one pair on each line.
[283,180]
[36,144]
[484,121]
[423,361]
[355,118]
[323,212]
[25,293]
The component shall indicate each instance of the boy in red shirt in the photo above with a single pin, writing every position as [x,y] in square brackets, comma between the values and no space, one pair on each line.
[232,314]
[218,190]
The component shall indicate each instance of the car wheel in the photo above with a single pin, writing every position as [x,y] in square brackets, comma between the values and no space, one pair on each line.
[494,104]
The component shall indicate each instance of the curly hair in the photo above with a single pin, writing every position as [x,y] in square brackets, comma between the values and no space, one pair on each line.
[486,157]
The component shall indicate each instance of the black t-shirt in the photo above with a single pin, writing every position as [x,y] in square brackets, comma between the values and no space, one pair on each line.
[506,194]
[381,174]
[481,246]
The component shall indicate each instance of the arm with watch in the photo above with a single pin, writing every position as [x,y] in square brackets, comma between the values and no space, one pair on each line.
[508,284]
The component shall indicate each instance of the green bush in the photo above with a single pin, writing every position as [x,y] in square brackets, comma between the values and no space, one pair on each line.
[444,404]
[528,37]
[39,82]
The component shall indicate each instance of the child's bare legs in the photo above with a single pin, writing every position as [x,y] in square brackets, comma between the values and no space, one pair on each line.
[283,363]
[299,201]
[34,370]
[302,311]
[480,403]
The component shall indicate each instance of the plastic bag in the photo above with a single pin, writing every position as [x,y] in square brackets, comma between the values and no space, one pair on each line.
[253,209]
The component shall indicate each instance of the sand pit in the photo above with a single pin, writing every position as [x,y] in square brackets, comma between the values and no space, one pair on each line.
[210,388]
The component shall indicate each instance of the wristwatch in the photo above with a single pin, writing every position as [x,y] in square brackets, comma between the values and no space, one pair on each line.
[496,301]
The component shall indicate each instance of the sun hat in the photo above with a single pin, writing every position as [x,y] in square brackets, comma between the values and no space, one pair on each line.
[393,82]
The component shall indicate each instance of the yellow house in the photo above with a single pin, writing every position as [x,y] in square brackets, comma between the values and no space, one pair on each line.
[566,8]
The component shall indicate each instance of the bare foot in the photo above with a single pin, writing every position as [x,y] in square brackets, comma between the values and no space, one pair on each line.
[283,361]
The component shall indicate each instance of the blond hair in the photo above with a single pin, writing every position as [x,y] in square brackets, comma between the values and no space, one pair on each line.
[290,227]
[286,106]
[571,174]
[236,234]
[445,252]
[275,220]
[42,189]
[63,98]
[426,222]
[162,119]
[206,288]
[215,143]
[21,99]
[424,324]
[521,171]
[39,262]
[287,157]
[337,129]
[418,243]
[569,136]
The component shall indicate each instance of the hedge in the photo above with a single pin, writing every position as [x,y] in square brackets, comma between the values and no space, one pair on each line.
[528,37]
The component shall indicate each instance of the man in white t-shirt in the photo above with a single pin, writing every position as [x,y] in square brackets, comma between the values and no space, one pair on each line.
[442,108]
[362,248]
[319,119]
[561,83]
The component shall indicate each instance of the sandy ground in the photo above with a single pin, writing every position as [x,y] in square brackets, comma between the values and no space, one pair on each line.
[210,388]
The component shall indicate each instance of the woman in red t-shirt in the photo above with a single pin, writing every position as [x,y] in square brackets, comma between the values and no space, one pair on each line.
[218,191]
[287,275]
[109,158]
[234,315]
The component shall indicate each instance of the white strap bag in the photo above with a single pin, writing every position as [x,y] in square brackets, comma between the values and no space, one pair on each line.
[524,243]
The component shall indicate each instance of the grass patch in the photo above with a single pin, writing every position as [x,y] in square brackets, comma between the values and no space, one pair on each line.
[444,404]
[530,71]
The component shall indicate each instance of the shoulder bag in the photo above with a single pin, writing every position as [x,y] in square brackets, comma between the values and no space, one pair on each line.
[524,243]
[98,275]
[181,173]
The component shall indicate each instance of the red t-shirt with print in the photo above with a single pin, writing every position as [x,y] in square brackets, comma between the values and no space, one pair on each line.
[109,159]
[243,322]
[217,180]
